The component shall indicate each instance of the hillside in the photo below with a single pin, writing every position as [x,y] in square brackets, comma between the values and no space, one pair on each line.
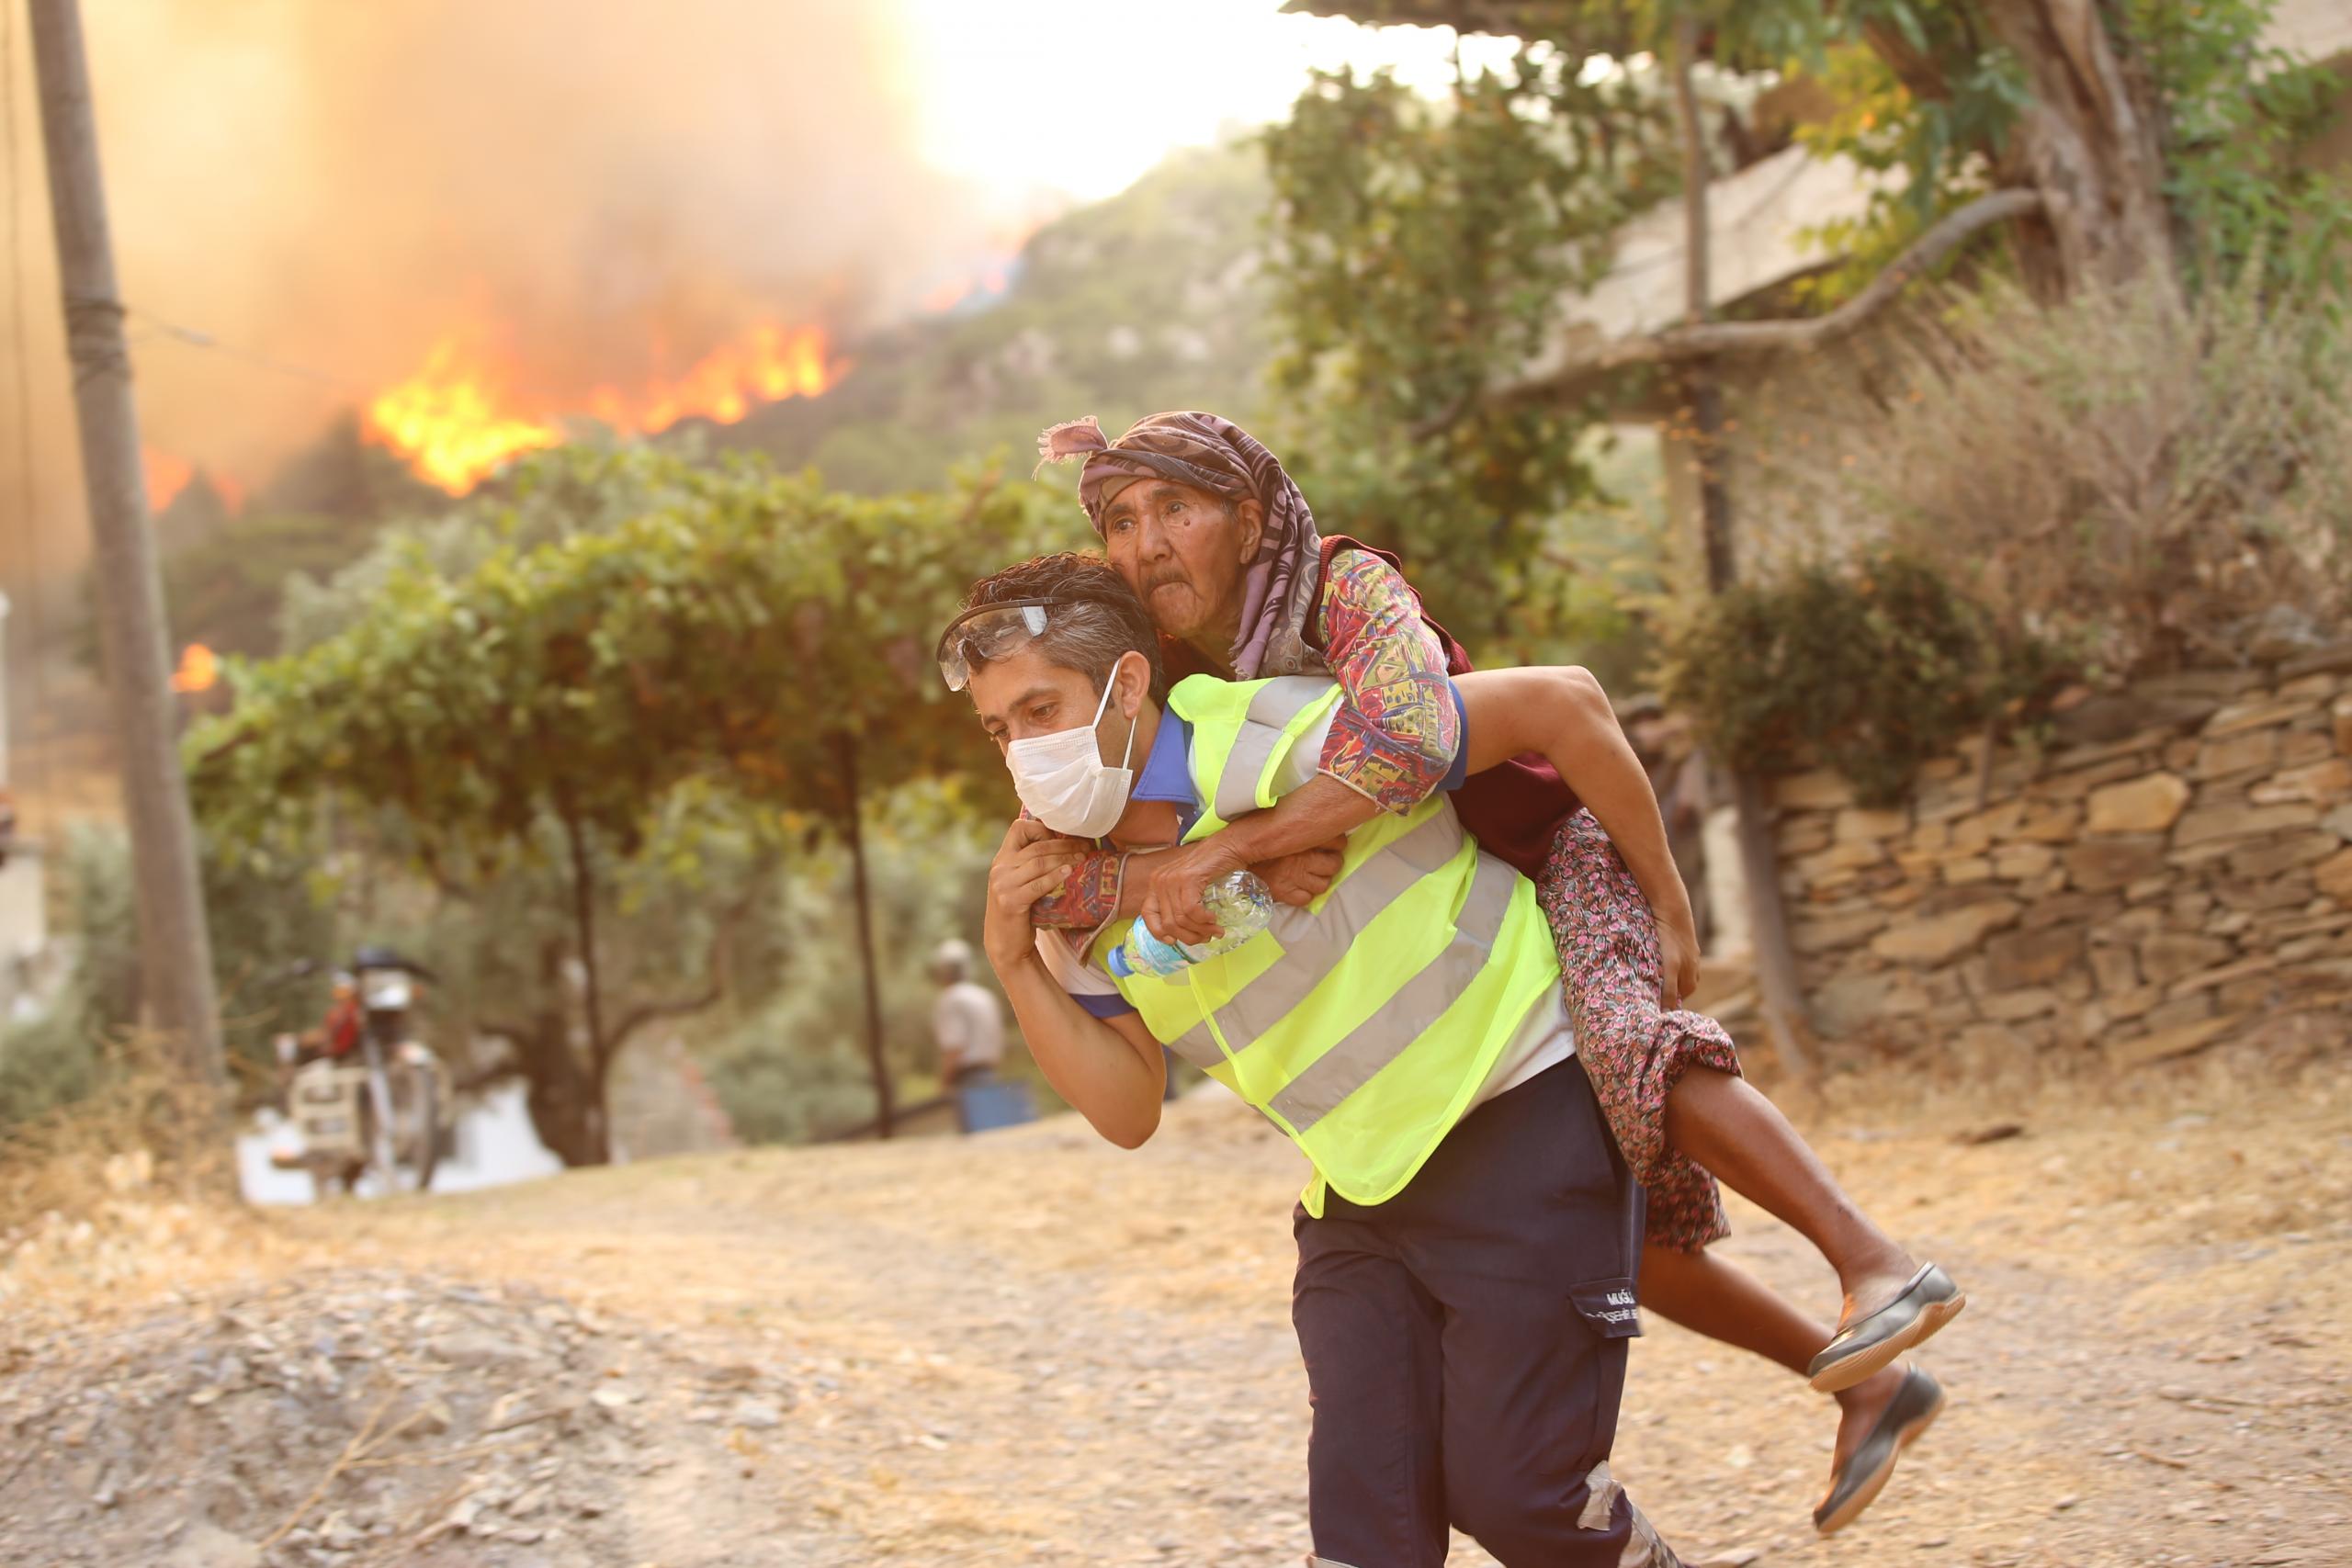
[1148,300]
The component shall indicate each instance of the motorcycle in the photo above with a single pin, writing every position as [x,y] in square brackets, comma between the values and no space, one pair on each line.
[383,1104]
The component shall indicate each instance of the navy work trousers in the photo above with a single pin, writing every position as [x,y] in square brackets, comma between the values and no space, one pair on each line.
[1466,1346]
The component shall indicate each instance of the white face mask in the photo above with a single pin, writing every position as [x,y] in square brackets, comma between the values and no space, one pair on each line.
[1065,783]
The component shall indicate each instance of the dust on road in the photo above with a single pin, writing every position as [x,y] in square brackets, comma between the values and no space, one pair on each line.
[1033,1348]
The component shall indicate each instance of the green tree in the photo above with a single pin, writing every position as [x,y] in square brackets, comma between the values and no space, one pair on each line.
[1422,246]
[745,632]
[684,924]
[1422,252]
[783,1067]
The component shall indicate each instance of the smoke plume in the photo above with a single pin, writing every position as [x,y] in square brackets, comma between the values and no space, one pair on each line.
[586,192]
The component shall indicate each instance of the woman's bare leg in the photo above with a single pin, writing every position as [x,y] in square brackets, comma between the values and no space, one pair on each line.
[1707,1295]
[1721,1121]
[1727,1125]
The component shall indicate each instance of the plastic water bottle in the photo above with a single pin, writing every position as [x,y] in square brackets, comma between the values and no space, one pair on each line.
[1240,903]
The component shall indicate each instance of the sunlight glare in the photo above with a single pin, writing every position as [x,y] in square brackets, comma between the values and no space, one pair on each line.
[1020,96]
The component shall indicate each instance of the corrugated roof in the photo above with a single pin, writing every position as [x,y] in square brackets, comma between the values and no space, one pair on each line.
[2316,29]
[1758,218]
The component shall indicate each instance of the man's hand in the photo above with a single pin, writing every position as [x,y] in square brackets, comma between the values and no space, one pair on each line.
[1300,879]
[1030,863]
[1678,947]
[1174,881]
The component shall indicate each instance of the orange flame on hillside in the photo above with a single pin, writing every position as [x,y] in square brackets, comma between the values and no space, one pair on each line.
[200,669]
[458,419]
[445,421]
[167,476]
[767,365]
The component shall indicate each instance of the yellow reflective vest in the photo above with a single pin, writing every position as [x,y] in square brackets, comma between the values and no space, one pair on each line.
[1363,1025]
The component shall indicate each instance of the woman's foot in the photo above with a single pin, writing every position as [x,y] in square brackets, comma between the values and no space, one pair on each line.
[1859,1409]
[1880,1418]
[1872,1283]
[1907,1309]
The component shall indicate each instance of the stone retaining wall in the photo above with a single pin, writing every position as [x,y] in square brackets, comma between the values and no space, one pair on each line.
[2175,872]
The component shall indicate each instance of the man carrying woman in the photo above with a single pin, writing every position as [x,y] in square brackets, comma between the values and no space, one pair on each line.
[1207,529]
[1466,1244]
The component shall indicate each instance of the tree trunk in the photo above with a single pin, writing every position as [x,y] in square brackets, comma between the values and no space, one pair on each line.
[884,1107]
[560,1098]
[1776,965]
[2090,142]
[598,1136]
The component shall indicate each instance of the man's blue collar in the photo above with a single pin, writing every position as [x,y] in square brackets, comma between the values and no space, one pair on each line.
[1167,772]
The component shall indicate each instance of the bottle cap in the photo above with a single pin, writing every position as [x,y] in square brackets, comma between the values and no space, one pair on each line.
[1119,964]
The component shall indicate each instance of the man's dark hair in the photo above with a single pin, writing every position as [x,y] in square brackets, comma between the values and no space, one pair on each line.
[1097,621]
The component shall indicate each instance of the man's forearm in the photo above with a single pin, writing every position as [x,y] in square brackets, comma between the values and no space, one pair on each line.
[1088,1063]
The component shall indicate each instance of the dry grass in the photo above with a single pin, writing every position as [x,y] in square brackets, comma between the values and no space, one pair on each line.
[131,1189]
[2135,482]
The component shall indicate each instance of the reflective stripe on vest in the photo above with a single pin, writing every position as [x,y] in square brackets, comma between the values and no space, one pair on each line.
[1314,940]
[1362,1026]
[1245,782]
[1417,1005]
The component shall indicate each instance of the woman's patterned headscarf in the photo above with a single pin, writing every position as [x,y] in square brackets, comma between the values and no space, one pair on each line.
[1217,455]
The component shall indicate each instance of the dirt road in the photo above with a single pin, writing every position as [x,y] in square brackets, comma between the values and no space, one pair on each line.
[1033,1349]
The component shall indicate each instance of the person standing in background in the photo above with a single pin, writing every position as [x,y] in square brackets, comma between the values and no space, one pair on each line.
[967,1025]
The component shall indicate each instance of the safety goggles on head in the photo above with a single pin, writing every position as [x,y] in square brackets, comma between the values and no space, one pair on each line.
[989,632]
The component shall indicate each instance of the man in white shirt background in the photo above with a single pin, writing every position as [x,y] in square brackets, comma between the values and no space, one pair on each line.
[967,1024]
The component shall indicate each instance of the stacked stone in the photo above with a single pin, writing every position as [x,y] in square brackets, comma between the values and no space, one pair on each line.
[2175,872]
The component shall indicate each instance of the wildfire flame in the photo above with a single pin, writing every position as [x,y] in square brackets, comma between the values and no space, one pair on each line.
[767,365]
[200,669]
[445,421]
[458,419]
[167,476]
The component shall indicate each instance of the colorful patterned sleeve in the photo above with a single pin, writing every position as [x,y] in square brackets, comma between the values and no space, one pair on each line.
[1395,736]
[1088,897]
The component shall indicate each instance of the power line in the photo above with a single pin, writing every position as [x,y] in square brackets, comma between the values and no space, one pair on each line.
[196,338]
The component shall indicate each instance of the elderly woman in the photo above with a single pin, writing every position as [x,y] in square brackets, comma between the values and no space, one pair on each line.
[1212,536]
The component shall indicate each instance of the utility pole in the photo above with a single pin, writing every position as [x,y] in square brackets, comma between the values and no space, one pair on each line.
[175,950]
[1776,963]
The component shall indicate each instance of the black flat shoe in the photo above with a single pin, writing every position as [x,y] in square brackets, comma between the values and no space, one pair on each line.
[1858,1482]
[1873,1342]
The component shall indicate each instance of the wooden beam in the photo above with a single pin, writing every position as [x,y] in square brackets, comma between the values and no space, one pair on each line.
[1695,341]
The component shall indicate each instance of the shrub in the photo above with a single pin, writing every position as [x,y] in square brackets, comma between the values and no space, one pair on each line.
[1871,669]
[45,1063]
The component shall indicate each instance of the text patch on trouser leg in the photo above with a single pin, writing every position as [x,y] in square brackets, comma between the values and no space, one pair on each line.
[1608,1309]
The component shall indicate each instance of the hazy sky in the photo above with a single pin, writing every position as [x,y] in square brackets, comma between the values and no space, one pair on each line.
[587,193]
[1086,95]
